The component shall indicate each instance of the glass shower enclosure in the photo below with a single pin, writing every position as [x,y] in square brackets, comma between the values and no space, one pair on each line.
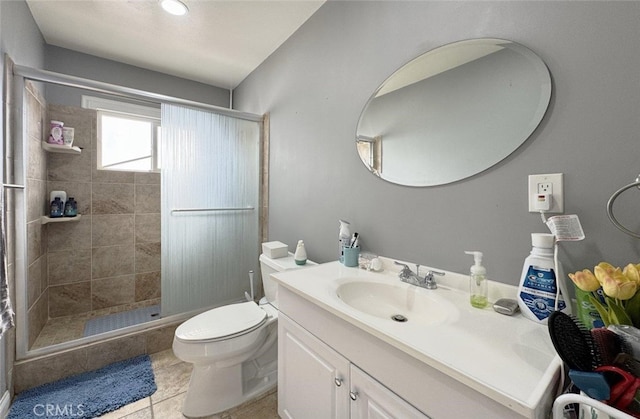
[213,203]
[210,207]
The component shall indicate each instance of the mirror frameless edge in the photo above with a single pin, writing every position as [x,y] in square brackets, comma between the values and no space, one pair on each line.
[453,112]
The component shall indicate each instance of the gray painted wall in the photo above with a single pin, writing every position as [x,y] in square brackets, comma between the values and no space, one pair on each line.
[20,37]
[74,63]
[316,84]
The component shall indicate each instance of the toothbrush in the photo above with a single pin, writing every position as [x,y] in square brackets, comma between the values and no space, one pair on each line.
[354,240]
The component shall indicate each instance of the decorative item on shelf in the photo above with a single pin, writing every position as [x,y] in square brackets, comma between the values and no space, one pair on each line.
[56,133]
[71,208]
[67,136]
[613,292]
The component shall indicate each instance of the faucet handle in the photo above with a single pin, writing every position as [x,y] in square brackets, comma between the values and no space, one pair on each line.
[406,270]
[431,273]
[429,282]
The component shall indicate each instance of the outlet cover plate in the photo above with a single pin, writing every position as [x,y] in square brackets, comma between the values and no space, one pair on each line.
[555,181]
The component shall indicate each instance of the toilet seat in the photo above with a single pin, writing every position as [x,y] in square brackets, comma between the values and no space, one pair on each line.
[222,323]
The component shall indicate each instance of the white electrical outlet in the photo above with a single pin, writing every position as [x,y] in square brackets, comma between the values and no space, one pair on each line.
[547,184]
[545,187]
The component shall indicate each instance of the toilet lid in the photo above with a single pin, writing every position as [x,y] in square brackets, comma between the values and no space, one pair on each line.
[221,322]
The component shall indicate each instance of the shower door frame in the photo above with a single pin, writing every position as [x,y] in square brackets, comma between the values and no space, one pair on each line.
[20,75]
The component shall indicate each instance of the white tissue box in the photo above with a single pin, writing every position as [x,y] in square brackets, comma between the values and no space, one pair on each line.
[275,250]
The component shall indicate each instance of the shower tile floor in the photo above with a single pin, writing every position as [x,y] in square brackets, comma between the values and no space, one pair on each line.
[64,329]
[172,379]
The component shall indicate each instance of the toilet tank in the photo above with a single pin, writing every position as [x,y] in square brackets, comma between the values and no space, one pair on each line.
[270,266]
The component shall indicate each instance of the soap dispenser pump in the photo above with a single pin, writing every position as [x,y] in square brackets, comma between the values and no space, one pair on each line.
[477,281]
[300,257]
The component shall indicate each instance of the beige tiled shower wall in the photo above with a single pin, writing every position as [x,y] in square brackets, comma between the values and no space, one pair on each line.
[110,258]
[36,182]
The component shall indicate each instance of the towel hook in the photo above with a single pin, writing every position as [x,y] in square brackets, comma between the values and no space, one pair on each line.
[612,217]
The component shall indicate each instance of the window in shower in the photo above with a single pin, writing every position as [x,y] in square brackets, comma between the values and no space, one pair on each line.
[128,135]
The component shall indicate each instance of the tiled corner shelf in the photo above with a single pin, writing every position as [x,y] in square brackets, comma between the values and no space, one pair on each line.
[47,220]
[52,148]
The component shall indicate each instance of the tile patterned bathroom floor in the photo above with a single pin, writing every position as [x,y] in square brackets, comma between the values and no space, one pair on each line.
[172,379]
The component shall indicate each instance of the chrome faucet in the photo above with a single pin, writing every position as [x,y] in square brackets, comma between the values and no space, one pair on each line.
[428,281]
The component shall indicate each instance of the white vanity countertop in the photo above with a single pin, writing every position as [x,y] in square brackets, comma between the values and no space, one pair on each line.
[509,359]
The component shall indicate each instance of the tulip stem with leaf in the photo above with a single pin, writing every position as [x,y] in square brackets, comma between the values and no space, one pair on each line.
[620,286]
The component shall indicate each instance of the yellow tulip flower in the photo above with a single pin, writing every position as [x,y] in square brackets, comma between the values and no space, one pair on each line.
[585,280]
[621,287]
[631,272]
[603,270]
[618,286]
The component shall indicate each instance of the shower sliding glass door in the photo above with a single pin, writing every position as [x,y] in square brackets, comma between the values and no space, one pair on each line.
[210,207]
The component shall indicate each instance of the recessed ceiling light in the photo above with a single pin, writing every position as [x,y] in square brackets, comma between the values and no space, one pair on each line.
[175,7]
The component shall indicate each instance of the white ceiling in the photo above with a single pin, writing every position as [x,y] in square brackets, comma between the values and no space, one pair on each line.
[219,42]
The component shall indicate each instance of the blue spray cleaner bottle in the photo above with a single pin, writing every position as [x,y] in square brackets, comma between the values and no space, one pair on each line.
[542,289]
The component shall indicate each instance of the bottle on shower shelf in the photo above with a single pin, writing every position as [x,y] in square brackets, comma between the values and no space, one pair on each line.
[70,208]
[56,209]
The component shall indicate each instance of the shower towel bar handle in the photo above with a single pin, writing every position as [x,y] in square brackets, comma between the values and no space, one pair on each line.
[212,209]
[12,186]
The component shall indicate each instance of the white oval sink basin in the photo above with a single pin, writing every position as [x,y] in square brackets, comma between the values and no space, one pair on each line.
[400,302]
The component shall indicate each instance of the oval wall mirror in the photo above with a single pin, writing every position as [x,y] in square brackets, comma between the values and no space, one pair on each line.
[453,112]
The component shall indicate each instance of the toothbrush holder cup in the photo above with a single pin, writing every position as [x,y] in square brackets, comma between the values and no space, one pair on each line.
[350,256]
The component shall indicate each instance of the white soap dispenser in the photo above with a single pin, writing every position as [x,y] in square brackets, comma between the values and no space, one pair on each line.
[478,281]
[300,257]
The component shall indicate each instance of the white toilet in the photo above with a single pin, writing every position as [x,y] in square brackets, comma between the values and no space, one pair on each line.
[233,348]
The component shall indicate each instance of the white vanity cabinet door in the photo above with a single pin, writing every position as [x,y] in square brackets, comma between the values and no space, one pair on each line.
[372,400]
[313,379]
